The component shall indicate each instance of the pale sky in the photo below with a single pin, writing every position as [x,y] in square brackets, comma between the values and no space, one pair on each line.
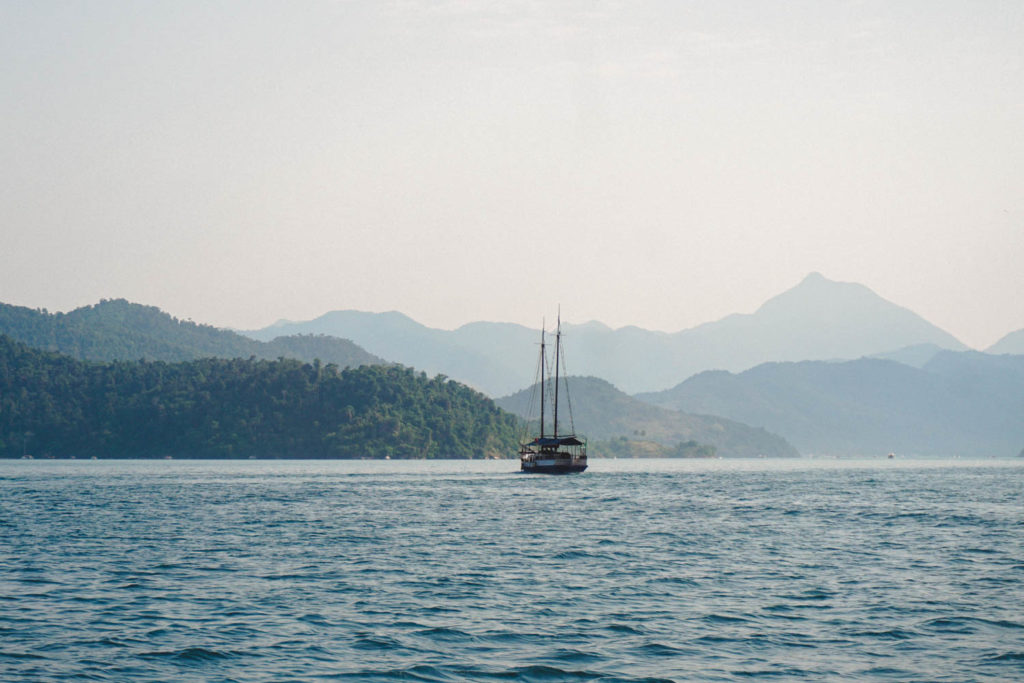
[659,164]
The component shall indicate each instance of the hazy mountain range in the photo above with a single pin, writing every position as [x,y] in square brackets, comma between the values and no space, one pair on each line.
[817,320]
[119,330]
[965,403]
[827,367]
[600,411]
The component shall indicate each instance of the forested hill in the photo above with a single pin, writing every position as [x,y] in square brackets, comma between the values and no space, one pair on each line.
[600,411]
[53,405]
[119,330]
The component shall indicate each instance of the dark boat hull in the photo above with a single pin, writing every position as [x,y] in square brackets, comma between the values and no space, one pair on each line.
[557,469]
[560,466]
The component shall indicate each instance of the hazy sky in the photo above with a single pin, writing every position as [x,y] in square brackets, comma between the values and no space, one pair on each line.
[652,163]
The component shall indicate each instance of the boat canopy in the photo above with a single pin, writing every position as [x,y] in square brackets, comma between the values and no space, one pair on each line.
[559,441]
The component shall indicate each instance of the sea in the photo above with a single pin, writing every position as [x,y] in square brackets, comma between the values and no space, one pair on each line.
[636,570]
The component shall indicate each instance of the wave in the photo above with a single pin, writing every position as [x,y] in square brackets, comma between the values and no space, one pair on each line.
[418,578]
[1017,656]
[969,624]
[192,655]
[8,654]
[443,633]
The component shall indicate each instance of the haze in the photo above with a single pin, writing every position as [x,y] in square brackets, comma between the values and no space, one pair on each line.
[658,164]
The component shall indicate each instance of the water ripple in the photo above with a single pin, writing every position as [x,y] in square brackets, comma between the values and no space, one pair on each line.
[717,570]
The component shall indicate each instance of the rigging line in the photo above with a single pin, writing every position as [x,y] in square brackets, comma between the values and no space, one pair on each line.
[538,378]
[558,357]
[543,361]
[548,383]
[568,394]
[531,404]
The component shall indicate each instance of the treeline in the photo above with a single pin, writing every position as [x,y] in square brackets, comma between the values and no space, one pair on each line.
[115,329]
[55,406]
[623,447]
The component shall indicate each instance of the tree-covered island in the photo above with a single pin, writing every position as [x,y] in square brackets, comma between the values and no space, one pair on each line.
[55,406]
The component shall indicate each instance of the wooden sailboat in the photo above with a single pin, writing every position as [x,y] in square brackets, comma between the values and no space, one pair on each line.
[557,453]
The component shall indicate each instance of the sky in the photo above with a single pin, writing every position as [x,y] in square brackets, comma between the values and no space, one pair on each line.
[649,163]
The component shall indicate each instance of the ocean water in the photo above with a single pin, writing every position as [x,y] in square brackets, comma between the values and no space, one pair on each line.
[468,571]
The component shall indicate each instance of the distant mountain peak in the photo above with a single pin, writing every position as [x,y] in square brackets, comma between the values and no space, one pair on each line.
[816,319]
[818,294]
[590,325]
[815,279]
[1011,343]
[815,282]
[814,276]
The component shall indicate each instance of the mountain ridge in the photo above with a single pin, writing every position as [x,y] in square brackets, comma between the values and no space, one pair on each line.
[958,403]
[815,320]
[116,329]
[1012,343]
[602,412]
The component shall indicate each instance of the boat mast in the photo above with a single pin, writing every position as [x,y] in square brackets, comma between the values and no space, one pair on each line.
[542,359]
[558,350]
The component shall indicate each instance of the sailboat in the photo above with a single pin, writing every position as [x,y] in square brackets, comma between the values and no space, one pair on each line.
[555,453]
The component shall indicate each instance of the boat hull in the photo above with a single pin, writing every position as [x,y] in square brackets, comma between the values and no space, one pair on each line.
[541,465]
[553,469]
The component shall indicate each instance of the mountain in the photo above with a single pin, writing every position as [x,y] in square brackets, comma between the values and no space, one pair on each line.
[600,411]
[496,358]
[958,403]
[54,405]
[310,347]
[120,330]
[1011,343]
[916,356]
[817,320]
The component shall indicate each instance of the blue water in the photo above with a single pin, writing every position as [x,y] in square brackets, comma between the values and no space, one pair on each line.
[467,571]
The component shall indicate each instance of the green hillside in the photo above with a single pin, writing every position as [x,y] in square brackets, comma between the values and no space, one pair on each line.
[119,330]
[53,405]
[603,413]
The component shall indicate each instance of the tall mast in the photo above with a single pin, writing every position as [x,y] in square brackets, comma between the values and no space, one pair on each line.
[542,380]
[558,353]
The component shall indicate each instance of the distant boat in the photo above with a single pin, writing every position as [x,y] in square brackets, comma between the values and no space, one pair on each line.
[891,456]
[555,453]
